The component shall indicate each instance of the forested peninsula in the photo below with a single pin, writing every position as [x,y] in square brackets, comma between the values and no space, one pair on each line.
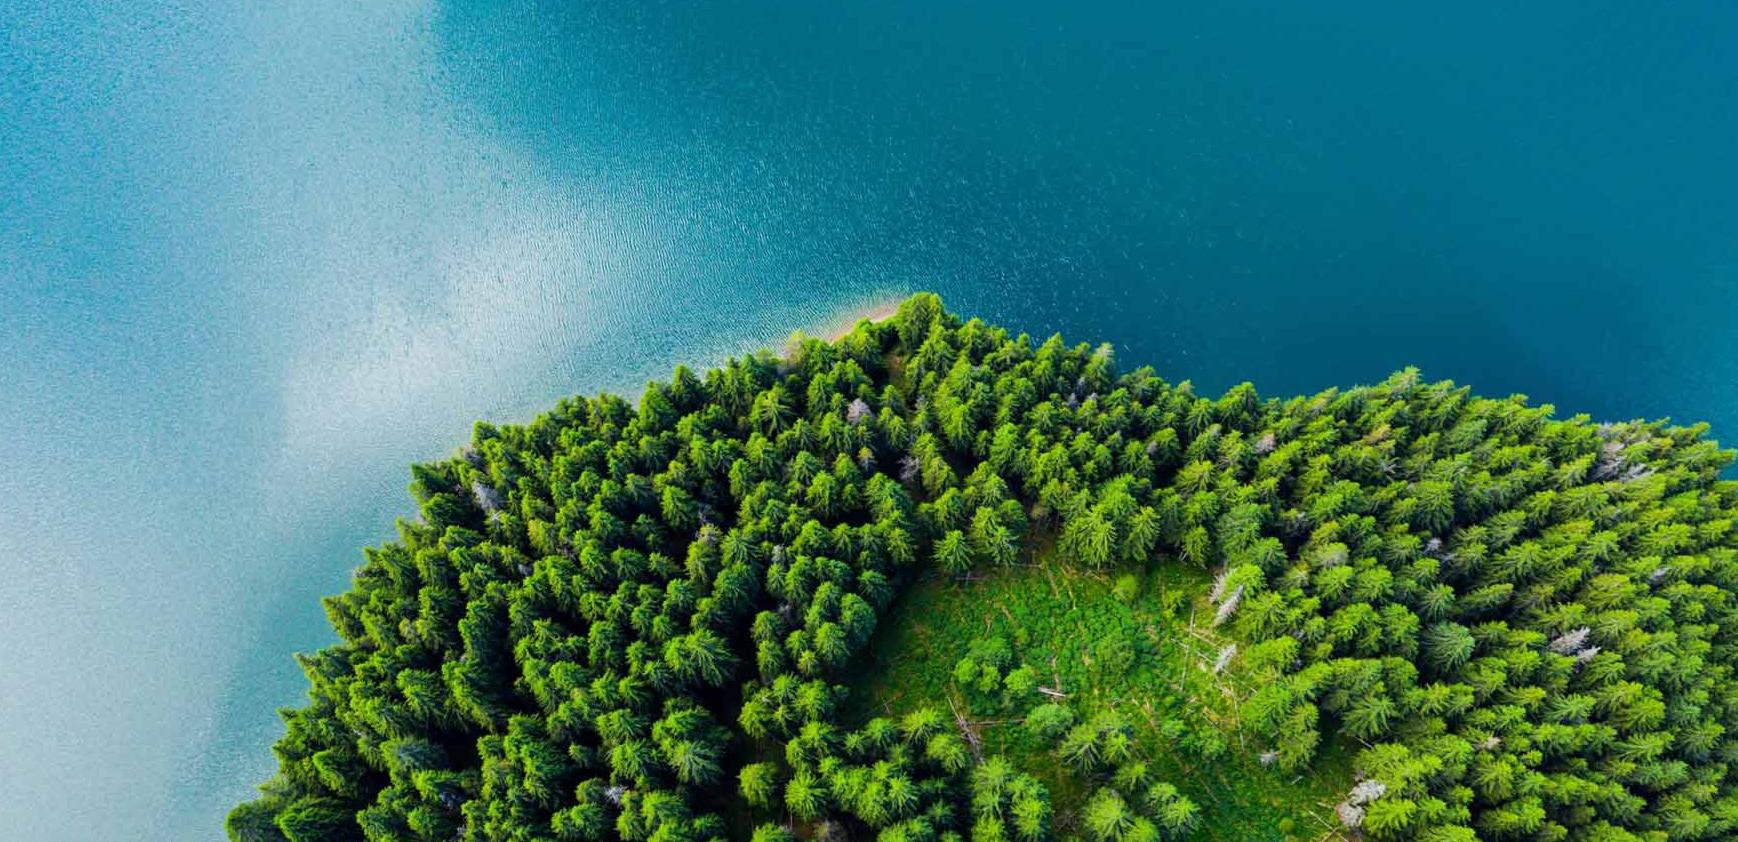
[930,581]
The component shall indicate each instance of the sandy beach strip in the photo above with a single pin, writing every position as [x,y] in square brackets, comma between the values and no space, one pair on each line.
[878,311]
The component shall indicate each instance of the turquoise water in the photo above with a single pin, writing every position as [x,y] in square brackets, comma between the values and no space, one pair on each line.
[257,257]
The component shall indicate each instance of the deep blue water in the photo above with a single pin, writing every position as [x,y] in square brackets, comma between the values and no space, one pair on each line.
[257,257]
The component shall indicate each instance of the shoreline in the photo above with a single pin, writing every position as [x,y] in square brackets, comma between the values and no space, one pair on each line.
[878,311]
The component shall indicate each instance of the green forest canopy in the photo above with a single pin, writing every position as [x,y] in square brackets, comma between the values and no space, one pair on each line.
[1464,617]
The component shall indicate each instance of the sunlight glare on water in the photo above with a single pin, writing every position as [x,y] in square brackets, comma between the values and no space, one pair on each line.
[257,258]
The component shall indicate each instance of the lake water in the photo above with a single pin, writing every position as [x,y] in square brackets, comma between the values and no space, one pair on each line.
[255,258]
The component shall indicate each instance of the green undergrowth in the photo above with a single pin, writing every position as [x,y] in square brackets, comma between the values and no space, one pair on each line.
[1147,653]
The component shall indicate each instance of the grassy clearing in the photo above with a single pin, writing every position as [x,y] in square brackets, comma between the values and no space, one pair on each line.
[1148,655]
